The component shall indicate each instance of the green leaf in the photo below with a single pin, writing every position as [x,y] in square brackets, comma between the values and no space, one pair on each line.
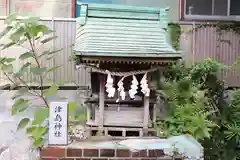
[21,41]
[35,29]
[76,114]
[49,58]
[7,68]
[31,129]
[42,28]
[37,71]
[39,132]
[5,31]
[25,66]
[5,46]
[19,74]
[16,96]
[17,34]
[48,39]
[26,55]
[43,54]
[55,51]
[72,107]
[22,69]
[39,142]
[7,60]
[206,133]
[72,58]
[44,130]
[32,20]
[50,52]
[10,19]
[80,117]
[40,116]
[52,91]
[23,123]
[20,105]
[53,68]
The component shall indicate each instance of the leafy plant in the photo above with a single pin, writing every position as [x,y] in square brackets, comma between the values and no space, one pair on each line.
[224,142]
[30,34]
[187,111]
[175,32]
[199,105]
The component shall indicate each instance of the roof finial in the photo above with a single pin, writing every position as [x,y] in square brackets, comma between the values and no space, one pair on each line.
[83,14]
[164,17]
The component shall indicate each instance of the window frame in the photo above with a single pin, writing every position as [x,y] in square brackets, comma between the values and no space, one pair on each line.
[187,17]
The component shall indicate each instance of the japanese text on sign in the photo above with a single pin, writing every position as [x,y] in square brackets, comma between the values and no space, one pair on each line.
[58,123]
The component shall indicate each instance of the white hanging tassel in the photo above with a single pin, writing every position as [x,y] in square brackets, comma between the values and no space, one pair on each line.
[109,86]
[145,90]
[121,89]
[134,87]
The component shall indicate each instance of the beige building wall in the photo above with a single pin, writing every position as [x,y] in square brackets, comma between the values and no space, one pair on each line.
[172,4]
[2,7]
[41,8]
[63,8]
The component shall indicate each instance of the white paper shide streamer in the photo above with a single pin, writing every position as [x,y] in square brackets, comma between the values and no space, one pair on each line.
[109,86]
[145,90]
[121,89]
[134,87]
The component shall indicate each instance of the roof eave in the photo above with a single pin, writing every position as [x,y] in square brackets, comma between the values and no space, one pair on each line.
[177,54]
[120,8]
[167,59]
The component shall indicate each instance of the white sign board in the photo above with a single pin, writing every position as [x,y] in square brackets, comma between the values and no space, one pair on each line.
[58,123]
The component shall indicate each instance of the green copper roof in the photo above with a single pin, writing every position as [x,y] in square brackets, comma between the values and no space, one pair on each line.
[122,31]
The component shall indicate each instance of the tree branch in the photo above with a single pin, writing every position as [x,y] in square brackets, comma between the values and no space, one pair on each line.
[39,66]
[8,77]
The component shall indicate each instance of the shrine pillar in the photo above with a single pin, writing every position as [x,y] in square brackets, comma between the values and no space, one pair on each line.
[101,100]
[146,114]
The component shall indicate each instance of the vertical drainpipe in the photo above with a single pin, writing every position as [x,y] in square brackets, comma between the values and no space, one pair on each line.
[193,42]
[179,9]
[54,47]
[73,8]
[7,7]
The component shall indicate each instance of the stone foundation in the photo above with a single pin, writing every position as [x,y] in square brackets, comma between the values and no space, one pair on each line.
[67,153]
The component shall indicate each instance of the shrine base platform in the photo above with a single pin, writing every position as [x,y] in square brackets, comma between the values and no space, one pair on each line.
[103,150]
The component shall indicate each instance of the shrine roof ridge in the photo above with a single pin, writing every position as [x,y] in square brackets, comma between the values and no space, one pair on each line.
[122,11]
[123,31]
[122,8]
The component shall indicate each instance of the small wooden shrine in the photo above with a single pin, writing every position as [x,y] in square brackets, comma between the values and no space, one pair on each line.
[122,45]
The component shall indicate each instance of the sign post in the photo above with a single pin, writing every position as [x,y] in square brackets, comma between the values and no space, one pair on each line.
[58,123]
